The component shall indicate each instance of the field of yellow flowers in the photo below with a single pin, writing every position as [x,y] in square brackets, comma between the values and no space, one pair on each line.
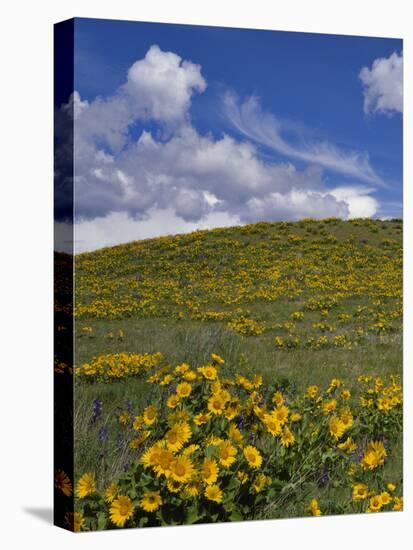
[241,373]
[266,294]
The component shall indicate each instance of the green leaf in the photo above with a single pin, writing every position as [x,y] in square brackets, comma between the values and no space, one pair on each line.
[236,515]
[210,451]
[233,484]
[143,521]
[102,521]
[192,515]
[277,484]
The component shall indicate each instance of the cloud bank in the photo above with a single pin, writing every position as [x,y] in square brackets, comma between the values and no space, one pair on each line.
[383,85]
[142,169]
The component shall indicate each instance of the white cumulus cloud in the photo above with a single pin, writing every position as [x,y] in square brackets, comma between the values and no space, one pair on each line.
[158,87]
[163,84]
[359,201]
[383,85]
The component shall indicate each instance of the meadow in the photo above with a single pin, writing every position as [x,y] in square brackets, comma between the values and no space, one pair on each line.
[208,365]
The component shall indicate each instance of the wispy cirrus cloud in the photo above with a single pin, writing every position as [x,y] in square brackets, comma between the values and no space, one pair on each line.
[265,129]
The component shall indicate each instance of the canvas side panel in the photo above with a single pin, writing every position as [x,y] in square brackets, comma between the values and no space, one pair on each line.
[63,275]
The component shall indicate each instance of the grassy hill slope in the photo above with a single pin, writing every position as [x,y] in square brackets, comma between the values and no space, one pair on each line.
[307,300]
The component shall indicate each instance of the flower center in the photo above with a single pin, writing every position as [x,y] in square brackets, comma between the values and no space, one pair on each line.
[164,460]
[123,509]
[173,437]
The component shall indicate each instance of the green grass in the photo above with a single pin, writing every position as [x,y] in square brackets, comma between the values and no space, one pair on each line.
[194,341]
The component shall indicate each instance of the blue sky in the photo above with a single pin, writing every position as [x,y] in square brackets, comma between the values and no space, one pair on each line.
[280,101]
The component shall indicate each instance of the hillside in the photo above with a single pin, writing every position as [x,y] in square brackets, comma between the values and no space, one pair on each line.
[265,294]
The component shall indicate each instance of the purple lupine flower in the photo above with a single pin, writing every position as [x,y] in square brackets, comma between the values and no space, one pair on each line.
[357,456]
[103,432]
[325,478]
[96,410]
